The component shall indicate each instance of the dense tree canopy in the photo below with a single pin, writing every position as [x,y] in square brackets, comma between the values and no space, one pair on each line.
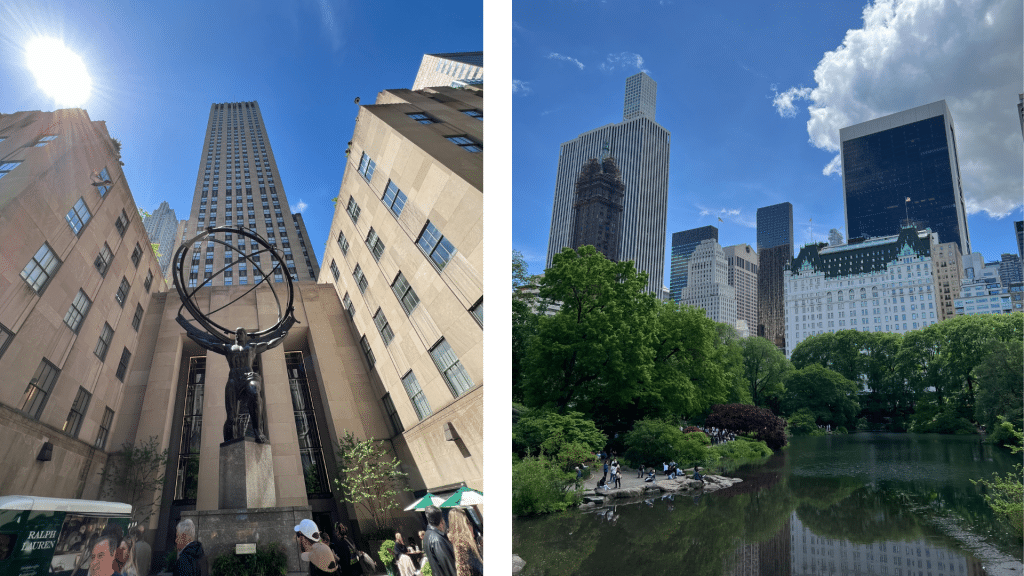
[524,321]
[745,419]
[827,394]
[550,432]
[999,385]
[765,367]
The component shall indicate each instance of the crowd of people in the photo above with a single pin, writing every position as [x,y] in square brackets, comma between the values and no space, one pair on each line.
[718,435]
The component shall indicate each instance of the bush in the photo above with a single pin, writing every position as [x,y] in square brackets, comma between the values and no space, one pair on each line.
[269,559]
[842,430]
[386,553]
[540,486]
[549,432]
[802,424]
[743,418]
[653,441]
[945,422]
[743,449]
[1004,434]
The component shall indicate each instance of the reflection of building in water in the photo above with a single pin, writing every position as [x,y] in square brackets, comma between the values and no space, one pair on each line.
[812,554]
[768,558]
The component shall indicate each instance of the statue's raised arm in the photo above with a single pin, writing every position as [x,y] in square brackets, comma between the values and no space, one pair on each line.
[202,338]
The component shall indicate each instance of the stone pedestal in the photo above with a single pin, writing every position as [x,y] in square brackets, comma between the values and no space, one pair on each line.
[220,530]
[246,475]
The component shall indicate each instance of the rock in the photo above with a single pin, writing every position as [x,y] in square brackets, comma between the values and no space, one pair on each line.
[517,564]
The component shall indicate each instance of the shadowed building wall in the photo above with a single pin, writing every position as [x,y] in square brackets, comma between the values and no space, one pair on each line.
[597,211]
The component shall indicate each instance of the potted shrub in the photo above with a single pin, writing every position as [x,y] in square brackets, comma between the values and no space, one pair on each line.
[387,556]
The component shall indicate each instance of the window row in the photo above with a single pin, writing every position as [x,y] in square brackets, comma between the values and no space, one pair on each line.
[40,388]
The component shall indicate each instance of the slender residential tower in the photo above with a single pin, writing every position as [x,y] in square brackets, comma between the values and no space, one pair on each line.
[640,146]
[774,253]
[238,184]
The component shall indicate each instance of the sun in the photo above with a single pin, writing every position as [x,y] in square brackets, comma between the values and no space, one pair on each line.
[60,73]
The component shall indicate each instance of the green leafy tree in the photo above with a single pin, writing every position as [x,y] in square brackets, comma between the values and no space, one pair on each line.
[828,395]
[135,474]
[524,321]
[541,486]
[729,356]
[765,369]
[596,349]
[839,352]
[999,385]
[549,432]
[370,479]
[651,442]
[889,394]
[1006,493]
[802,424]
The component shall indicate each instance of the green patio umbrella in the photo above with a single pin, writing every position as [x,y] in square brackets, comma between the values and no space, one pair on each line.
[427,500]
[464,496]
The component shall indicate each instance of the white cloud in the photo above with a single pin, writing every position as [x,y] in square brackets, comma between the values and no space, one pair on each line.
[913,52]
[557,56]
[300,207]
[520,87]
[624,60]
[733,215]
[834,167]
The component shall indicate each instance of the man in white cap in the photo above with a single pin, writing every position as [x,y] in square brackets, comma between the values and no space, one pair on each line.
[320,557]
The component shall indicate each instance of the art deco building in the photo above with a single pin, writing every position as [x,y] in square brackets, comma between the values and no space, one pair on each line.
[238,184]
[947,268]
[454,69]
[683,244]
[775,251]
[742,265]
[162,227]
[597,210]
[76,280]
[708,286]
[640,146]
[878,285]
[910,154]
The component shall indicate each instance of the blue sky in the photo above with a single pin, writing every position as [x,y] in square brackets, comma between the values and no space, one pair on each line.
[754,94]
[157,67]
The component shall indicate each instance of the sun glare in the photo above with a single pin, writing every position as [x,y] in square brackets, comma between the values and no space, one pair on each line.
[60,73]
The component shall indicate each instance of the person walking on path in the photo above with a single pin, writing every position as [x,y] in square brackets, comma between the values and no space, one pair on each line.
[604,479]
[436,547]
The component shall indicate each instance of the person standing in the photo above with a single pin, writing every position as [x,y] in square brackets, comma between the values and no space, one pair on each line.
[436,546]
[311,549]
[467,556]
[143,551]
[345,549]
[192,560]
[617,473]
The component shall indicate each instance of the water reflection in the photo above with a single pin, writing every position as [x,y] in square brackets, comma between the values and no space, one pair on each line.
[834,505]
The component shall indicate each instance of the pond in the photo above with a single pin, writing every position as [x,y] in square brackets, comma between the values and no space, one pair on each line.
[881,504]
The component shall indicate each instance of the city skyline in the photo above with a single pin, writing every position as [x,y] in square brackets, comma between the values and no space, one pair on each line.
[177,61]
[743,134]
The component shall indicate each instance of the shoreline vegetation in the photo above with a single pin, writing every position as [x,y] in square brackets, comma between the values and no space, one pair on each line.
[600,366]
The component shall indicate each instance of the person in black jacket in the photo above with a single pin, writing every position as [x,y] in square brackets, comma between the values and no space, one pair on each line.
[438,549]
[192,560]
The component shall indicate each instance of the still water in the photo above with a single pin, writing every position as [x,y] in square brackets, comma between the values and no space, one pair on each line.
[872,504]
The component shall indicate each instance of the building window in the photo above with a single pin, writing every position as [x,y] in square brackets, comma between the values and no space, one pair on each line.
[122,291]
[104,186]
[122,223]
[137,319]
[389,407]
[360,279]
[101,437]
[74,422]
[39,388]
[383,327]
[103,344]
[122,366]
[394,198]
[347,303]
[334,270]
[449,366]
[41,268]
[186,483]
[149,280]
[421,118]
[366,350]
[78,216]
[76,313]
[416,396]
[353,210]
[465,143]
[6,167]
[103,260]
[405,294]
[478,311]
[436,246]
[136,255]
[366,167]
[478,114]
[5,339]
[374,243]
[311,455]
[343,243]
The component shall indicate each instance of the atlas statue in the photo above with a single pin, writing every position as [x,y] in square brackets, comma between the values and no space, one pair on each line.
[241,349]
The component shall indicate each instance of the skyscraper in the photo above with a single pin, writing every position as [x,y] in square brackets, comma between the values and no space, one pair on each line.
[640,146]
[774,253]
[683,244]
[1018,228]
[902,166]
[708,283]
[454,69]
[162,227]
[238,184]
[947,270]
[597,210]
[742,265]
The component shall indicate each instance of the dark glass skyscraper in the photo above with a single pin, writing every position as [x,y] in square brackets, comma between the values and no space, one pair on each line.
[683,245]
[774,253]
[904,166]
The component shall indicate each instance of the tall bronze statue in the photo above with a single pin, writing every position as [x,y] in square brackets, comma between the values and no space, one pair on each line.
[240,347]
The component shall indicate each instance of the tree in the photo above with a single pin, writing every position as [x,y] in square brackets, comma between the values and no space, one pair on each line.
[830,397]
[889,394]
[1006,493]
[746,419]
[595,350]
[653,441]
[840,352]
[550,432]
[135,474]
[999,385]
[524,322]
[369,480]
[729,356]
[765,368]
